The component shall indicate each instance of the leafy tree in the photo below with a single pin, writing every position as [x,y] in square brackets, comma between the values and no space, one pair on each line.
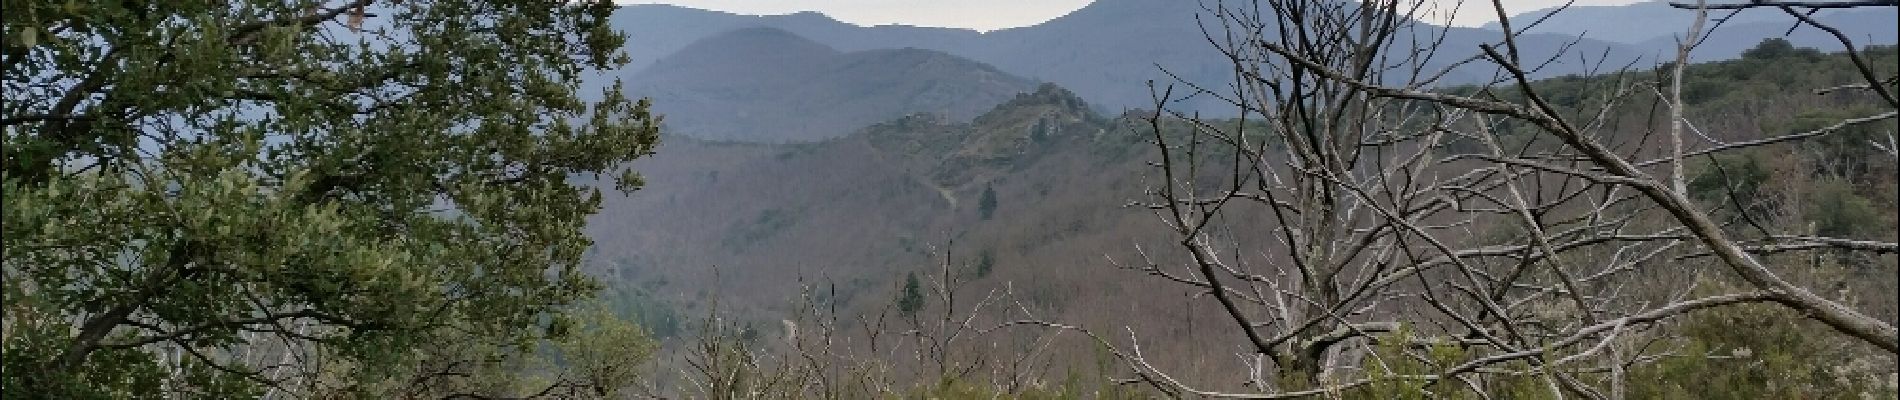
[910,299]
[200,197]
[986,205]
[1728,181]
[1770,48]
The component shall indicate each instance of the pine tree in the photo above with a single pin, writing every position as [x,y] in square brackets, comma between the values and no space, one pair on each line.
[986,206]
[910,299]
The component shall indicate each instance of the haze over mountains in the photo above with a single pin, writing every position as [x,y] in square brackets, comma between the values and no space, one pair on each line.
[1104,52]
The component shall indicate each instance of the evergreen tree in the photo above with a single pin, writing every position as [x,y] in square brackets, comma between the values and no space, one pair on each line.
[910,299]
[197,190]
[986,206]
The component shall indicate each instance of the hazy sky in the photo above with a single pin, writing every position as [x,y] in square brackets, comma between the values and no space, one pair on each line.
[997,14]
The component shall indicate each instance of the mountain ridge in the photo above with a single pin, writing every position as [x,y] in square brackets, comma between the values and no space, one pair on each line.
[1103,51]
[1106,51]
[1655,25]
[768,84]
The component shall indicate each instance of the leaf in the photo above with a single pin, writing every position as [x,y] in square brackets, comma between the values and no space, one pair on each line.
[30,37]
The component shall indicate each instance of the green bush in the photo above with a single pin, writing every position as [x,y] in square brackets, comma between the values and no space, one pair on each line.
[1757,352]
[1836,211]
[1723,181]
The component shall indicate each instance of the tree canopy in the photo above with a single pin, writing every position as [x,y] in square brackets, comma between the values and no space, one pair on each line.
[223,198]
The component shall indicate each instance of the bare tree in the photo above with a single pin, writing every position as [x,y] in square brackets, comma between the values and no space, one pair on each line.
[1358,203]
[951,340]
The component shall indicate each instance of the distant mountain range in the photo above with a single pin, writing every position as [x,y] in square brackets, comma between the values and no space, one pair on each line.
[1104,52]
[1655,25]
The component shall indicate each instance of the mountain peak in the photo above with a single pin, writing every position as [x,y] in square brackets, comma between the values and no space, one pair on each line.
[1054,94]
[810,14]
[1048,101]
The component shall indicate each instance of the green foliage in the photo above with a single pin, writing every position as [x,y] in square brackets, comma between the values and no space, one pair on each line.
[910,298]
[604,350]
[1723,181]
[1775,48]
[1400,358]
[1771,70]
[1777,356]
[1836,211]
[187,178]
[660,318]
[35,333]
[1740,174]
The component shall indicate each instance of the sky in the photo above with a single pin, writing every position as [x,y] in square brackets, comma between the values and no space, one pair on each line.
[986,15]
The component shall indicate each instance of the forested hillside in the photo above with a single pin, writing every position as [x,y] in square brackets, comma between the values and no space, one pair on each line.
[734,223]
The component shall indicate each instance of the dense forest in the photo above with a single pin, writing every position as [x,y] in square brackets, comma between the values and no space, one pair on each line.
[447,200]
